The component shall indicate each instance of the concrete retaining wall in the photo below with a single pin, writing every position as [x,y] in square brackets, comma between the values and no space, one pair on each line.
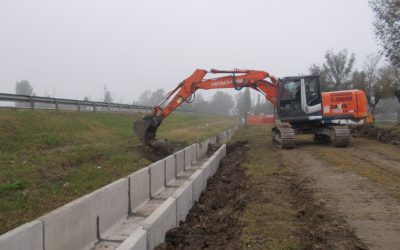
[180,162]
[115,196]
[136,241]
[188,157]
[139,187]
[78,224]
[202,148]
[198,184]
[184,201]
[159,222]
[157,177]
[170,169]
[26,237]
[72,226]
[193,149]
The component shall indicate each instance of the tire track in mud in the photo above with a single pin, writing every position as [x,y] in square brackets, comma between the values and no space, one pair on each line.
[370,212]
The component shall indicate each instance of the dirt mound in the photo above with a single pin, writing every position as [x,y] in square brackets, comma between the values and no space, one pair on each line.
[386,135]
[213,222]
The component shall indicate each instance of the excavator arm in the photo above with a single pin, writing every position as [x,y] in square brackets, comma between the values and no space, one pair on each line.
[260,81]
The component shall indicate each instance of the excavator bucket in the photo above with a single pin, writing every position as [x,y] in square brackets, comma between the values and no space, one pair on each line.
[146,128]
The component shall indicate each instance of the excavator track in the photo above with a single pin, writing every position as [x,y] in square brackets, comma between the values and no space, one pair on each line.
[338,135]
[284,137]
[341,136]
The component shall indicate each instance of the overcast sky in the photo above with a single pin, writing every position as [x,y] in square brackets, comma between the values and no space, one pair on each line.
[72,48]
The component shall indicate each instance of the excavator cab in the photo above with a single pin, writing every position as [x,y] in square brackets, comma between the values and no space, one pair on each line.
[299,99]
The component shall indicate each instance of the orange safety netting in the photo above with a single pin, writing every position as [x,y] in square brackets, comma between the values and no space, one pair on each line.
[259,119]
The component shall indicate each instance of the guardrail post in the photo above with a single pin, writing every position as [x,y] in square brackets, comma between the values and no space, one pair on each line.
[94,107]
[56,100]
[79,106]
[32,102]
[119,107]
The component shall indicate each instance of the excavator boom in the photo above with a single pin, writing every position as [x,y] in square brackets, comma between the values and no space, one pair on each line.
[261,81]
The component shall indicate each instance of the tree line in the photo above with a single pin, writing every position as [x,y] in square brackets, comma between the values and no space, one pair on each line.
[221,103]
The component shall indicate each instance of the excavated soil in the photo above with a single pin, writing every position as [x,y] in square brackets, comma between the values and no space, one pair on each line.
[214,221]
[161,149]
[386,135]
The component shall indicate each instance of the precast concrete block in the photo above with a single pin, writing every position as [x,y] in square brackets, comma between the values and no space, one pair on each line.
[194,152]
[112,204]
[170,169]
[157,177]
[180,162]
[223,151]
[72,226]
[139,187]
[214,163]
[136,241]
[26,237]
[188,157]
[198,187]
[159,222]
[207,171]
[200,150]
[184,200]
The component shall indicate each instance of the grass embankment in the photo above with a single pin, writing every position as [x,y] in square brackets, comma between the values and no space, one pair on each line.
[50,158]
[268,217]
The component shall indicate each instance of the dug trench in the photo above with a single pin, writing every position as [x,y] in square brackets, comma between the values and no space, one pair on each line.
[256,201]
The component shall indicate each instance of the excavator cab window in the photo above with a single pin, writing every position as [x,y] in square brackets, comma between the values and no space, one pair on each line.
[313,96]
[290,100]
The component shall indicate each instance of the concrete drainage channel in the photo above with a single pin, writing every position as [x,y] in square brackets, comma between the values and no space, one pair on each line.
[133,212]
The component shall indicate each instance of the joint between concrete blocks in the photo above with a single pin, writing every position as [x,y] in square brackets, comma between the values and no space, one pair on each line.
[43,235]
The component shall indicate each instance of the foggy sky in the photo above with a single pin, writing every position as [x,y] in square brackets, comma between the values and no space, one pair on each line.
[72,48]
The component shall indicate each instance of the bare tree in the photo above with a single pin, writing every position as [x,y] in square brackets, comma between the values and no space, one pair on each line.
[372,90]
[107,95]
[157,96]
[144,98]
[23,88]
[338,68]
[383,86]
[221,102]
[323,77]
[243,102]
[387,27]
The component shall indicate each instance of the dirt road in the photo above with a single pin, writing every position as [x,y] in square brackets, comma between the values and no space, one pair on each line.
[361,184]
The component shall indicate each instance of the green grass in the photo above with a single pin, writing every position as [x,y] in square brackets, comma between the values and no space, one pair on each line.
[268,217]
[50,158]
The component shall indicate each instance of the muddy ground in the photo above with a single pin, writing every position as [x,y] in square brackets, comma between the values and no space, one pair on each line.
[312,197]
[385,134]
[214,221]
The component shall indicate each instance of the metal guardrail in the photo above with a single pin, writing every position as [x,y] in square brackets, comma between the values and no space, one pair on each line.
[40,102]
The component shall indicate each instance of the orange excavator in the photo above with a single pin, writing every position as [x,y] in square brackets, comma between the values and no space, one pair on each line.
[300,105]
